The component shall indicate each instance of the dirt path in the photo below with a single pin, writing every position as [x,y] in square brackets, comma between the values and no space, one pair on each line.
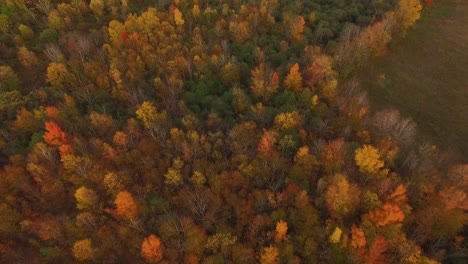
[425,76]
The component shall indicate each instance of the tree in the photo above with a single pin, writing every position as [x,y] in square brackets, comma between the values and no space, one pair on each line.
[266,144]
[230,73]
[408,12]
[191,259]
[239,31]
[377,251]
[5,23]
[294,26]
[263,83]
[26,122]
[289,120]
[153,121]
[358,239]
[26,57]
[398,196]
[341,197]
[86,198]
[335,237]
[219,241]
[26,32]
[97,6]
[58,75]
[453,198]
[9,219]
[147,114]
[82,250]
[281,229]
[112,182]
[173,175]
[368,160]
[320,69]
[387,214]
[178,17]
[54,135]
[198,179]
[241,100]
[244,137]
[8,79]
[115,30]
[416,256]
[126,205]
[293,80]
[101,122]
[270,255]
[390,123]
[151,249]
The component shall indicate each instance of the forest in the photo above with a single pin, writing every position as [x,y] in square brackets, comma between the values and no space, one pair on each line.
[203,131]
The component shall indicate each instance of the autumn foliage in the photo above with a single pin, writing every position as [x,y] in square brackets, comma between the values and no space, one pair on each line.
[213,132]
[54,135]
[151,249]
[126,205]
[82,250]
[266,144]
[281,230]
[269,255]
[368,160]
[358,239]
[377,251]
[387,214]
[293,80]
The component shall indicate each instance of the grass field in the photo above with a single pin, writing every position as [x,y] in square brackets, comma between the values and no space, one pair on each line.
[425,76]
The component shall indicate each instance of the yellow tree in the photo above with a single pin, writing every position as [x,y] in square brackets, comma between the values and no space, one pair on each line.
[289,120]
[263,84]
[408,12]
[335,237]
[26,57]
[112,182]
[85,198]
[178,17]
[368,159]
[173,175]
[97,6]
[151,249]
[281,230]
[57,74]
[154,121]
[239,31]
[114,31]
[341,197]
[147,114]
[293,80]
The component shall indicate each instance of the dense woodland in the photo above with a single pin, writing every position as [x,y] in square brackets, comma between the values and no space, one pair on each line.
[202,131]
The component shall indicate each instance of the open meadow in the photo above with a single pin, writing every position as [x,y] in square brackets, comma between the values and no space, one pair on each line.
[425,76]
